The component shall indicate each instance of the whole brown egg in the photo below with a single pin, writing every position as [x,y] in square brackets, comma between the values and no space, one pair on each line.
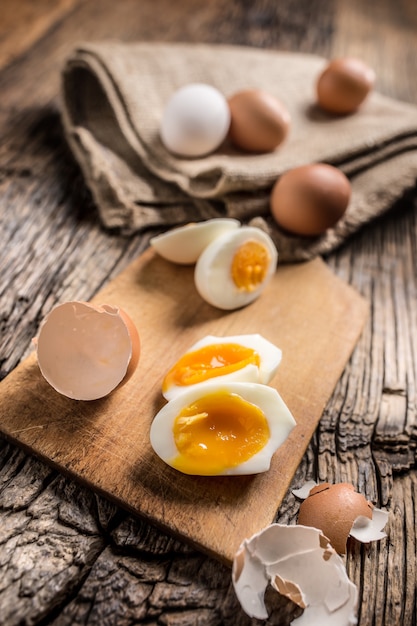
[259,122]
[309,199]
[344,84]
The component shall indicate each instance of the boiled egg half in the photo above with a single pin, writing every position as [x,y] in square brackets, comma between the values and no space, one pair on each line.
[245,358]
[184,244]
[221,429]
[235,268]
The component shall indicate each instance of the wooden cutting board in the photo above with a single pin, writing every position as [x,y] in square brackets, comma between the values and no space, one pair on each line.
[307,311]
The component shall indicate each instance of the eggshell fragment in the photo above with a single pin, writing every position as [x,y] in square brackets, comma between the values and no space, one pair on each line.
[298,562]
[259,121]
[344,84]
[84,351]
[183,245]
[309,199]
[366,530]
[195,120]
[339,511]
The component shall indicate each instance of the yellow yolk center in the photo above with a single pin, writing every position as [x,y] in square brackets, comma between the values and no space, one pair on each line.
[208,362]
[218,431]
[250,265]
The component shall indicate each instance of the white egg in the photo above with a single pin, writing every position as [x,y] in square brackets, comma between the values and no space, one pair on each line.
[235,268]
[195,120]
[244,358]
[222,429]
[184,244]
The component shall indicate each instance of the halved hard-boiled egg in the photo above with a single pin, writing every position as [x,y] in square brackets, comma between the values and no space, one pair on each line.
[184,244]
[245,358]
[235,268]
[221,429]
[86,351]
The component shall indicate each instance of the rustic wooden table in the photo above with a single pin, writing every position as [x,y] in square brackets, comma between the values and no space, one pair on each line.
[68,556]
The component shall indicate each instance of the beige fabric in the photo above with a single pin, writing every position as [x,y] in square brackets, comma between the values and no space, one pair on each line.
[113,98]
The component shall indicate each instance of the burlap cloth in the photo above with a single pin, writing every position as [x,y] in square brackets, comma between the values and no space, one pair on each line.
[113,98]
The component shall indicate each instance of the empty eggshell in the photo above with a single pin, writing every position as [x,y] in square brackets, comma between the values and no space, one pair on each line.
[85,351]
[344,84]
[183,245]
[298,562]
[259,122]
[195,120]
[309,199]
[339,511]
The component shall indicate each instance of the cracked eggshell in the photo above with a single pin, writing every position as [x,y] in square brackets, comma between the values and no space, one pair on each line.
[298,562]
[85,351]
[339,511]
[183,245]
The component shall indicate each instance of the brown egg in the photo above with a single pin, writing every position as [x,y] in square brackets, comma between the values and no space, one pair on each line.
[333,510]
[344,85]
[259,121]
[308,200]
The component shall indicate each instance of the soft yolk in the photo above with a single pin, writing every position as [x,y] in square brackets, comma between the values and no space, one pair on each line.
[214,360]
[218,431]
[250,265]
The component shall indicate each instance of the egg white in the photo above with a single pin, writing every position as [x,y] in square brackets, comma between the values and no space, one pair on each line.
[212,275]
[269,354]
[183,245]
[277,414]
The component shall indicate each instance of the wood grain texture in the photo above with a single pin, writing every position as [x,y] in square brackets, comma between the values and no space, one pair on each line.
[105,444]
[70,557]
[23,23]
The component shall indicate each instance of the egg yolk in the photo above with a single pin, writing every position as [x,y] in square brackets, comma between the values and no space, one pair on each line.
[218,431]
[250,265]
[208,362]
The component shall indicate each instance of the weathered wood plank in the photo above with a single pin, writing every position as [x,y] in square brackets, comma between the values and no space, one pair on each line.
[58,542]
[23,23]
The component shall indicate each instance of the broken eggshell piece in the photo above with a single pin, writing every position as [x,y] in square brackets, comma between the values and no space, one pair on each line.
[85,351]
[339,512]
[298,562]
[184,244]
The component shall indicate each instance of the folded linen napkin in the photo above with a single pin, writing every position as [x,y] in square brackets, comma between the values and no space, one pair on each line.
[113,98]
